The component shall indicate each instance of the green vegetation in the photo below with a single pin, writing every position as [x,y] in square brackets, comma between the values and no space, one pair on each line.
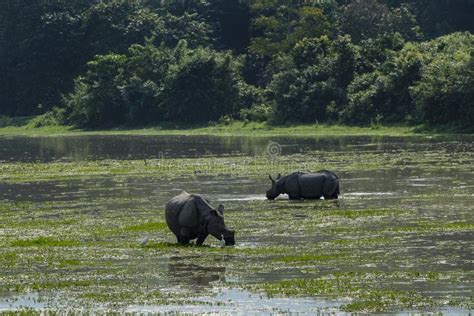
[120,63]
[43,242]
[235,128]
[148,226]
[364,298]
[366,253]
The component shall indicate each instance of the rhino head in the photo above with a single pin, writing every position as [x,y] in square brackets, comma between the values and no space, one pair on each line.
[273,192]
[217,228]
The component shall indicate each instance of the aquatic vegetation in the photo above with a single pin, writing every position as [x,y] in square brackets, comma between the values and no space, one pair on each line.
[305,258]
[43,242]
[402,227]
[147,226]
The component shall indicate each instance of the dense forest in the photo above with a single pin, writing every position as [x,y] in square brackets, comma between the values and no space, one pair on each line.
[93,63]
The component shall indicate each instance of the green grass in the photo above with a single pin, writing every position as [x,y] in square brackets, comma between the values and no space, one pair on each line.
[364,296]
[43,242]
[353,214]
[148,226]
[234,129]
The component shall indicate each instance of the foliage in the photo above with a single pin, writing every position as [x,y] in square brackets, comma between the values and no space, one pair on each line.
[314,88]
[257,113]
[203,86]
[426,82]
[55,117]
[371,18]
[277,27]
[151,84]
[445,92]
[108,63]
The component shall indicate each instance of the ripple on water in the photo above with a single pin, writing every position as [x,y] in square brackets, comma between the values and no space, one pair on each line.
[236,301]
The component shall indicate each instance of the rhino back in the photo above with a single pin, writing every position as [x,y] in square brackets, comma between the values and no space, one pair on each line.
[202,205]
[330,174]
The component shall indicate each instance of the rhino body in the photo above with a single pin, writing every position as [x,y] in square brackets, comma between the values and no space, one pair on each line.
[190,216]
[303,185]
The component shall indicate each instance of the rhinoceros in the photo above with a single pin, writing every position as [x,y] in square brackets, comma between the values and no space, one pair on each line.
[302,185]
[191,216]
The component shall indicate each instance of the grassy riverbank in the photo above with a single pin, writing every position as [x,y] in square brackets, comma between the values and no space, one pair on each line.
[23,128]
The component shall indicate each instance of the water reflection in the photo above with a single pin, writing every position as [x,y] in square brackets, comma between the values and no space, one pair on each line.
[194,276]
[241,302]
[78,148]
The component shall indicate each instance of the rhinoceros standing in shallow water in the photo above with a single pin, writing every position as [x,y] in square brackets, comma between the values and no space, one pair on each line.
[302,185]
[190,216]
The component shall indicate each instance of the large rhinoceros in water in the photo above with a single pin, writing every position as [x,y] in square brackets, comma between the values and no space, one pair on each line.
[190,216]
[302,185]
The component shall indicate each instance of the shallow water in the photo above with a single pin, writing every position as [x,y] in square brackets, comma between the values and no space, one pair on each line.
[80,148]
[421,183]
[232,301]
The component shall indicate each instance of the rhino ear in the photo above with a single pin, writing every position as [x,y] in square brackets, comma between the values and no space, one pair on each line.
[214,213]
[220,209]
[279,176]
[271,179]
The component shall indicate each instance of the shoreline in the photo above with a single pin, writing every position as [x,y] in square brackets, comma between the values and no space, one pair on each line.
[237,128]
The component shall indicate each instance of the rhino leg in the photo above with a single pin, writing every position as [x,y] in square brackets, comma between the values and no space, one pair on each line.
[201,238]
[184,240]
[184,235]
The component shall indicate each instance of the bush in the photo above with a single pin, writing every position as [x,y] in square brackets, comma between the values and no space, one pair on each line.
[445,93]
[152,84]
[429,82]
[55,117]
[315,89]
[202,87]
[97,100]
[256,113]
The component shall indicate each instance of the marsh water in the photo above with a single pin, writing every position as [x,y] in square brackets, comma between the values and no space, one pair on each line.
[433,177]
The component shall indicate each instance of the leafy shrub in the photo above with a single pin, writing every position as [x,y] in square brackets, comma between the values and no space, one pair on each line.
[445,92]
[323,70]
[202,87]
[423,82]
[256,113]
[97,100]
[151,84]
[5,121]
[55,117]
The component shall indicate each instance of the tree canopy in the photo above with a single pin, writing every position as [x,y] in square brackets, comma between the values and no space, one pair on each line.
[108,63]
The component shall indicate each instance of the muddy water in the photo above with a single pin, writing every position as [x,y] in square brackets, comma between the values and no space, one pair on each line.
[433,194]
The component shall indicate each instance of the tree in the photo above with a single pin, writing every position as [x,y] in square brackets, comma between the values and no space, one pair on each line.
[440,17]
[150,84]
[364,19]
[96,100]
[231,23]
[42,42]
[445,92]
[313,88]
[202,87]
